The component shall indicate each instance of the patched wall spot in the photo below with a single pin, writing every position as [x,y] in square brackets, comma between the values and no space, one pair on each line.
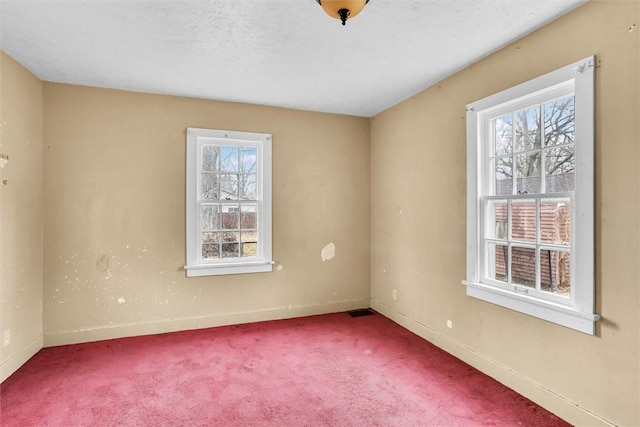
[328,252]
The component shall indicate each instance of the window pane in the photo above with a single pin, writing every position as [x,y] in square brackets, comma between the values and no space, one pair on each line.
[210,246]
[247,187]
[229,187]
[523,266]
[528,173]
[555,272]
[230,217]
[555,221]
[209,218]
[559,121]
[497,215]
[230,237]
[230,250]
[503,169]
[248,160]
[229,159]
[559,167]
[210,251]
[208,238]
[503,135]
[249,236]
[249,217]
[523,220]
[209,186]
[527,123]
[210,157]
[497,261]
[249,243]
[249,250]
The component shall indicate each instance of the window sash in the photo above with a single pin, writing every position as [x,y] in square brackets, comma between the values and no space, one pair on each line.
[239,230]
[538,245]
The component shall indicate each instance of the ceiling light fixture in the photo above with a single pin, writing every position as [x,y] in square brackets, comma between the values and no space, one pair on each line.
[342,9]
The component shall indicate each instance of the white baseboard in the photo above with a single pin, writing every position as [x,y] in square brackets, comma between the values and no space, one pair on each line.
[162,326]
[532,390]
[19,358]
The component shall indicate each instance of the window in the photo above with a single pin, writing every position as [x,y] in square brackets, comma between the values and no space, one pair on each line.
[228,202]
[530,197]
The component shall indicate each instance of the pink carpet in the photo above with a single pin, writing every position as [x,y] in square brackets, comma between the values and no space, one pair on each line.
[330,370]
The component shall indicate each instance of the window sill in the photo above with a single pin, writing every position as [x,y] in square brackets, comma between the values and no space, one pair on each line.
[230,268]
[546,310]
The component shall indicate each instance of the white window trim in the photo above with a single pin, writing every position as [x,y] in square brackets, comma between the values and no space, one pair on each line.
[195,266]
[579,314]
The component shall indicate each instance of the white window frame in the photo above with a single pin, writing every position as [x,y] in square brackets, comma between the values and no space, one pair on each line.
[578,311]
[196,266]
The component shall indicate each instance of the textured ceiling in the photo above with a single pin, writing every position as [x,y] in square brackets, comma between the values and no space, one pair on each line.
[284,53]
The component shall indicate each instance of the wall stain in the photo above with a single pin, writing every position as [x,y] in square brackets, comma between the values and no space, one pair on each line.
[102,264]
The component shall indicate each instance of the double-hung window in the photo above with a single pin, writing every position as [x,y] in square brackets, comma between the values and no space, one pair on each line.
[228,202]
[530,223]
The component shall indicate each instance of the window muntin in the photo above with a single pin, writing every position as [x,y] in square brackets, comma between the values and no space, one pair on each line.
[525,202]
[228,202]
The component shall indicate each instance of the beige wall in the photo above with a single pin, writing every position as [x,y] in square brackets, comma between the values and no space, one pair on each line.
[114,177]
[418,171]
[21,214]
[114,173]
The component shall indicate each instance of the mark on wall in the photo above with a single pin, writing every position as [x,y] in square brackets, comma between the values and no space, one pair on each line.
[102,264]
[280,267]
[121,300]
[59,301]
[632,27]
[328,252]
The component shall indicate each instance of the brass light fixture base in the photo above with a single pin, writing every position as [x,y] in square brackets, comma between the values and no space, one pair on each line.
[342,9]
